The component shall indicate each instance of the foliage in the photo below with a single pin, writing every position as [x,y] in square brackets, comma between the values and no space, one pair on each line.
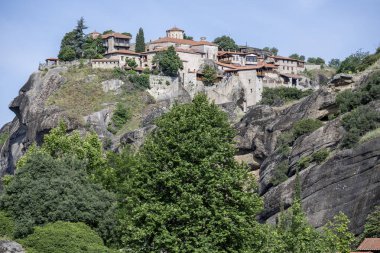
[209,75]
[47,189]
[358,61]
[305,126]
[140,81]
[140,41]
[187,37]
[67,54]
[320,155]
[72,43]
[3,138]
[272,96]
[187,192]
[131,62]
[360,121]
[337,235]
[108,31]
[304,162]
[127,33]
[297,57]
[280,173]
[334,63]
[348,100]
[370,135]
[317,60]
[6,225]
[226,43]
[273,50]
[168,62]
[372,225]
[93,48]
[119,118]
[63,237]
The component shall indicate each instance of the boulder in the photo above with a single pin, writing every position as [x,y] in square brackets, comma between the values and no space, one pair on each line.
[10,247]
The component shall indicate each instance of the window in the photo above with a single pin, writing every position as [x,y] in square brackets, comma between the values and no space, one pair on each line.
[122,58]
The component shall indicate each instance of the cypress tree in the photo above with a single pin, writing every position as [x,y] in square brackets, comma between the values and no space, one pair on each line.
[140,41]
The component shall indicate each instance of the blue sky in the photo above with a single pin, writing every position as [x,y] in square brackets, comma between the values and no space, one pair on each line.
[32,30]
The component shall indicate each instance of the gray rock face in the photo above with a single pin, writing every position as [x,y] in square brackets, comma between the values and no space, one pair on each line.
[10,247]
[112,85]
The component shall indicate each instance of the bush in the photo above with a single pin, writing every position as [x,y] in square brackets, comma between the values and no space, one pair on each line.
[348,100]
[3,138]
[370,135]
[280,173]
[67,54]
[63,237]
[168,62]
[6,225]
[357,123]
[47,189]
[304,162]
[272,96]
[140,81]
[119,118]
[209,75]
[320,155]
[305,126]
[372,225]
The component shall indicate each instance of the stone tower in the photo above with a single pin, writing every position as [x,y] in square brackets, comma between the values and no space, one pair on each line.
[175,32]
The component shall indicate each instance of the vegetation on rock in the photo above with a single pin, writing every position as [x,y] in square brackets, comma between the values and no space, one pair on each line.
[272,50]
[209,75]
[297,57]
[317,60]
[274,96]
[6,225]
[119,118]
[372,225]
[358,61]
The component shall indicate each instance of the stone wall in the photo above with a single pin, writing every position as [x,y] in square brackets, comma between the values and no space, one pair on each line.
[312,66]
[164,87]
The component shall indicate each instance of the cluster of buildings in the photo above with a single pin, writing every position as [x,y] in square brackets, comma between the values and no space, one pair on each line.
[245,71]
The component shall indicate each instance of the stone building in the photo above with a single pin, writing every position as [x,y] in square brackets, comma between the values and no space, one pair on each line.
[116,41]
[286,64]
[123,56]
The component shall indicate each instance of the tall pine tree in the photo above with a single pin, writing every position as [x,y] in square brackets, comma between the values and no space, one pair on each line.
[140,41]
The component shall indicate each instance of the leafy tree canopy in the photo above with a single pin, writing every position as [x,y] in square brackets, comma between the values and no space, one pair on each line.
[188,193]
[140,41]
[273,50]
[318,60]
[209,75]
[372,225]
[226,43]
[187,37]
[297,57]
[47,189]
[168,62]
[334,63]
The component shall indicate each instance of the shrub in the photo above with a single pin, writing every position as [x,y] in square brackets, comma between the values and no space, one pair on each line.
[272,96]
[304,162]
[209,75]
[280,173]
[131,63]
[357,123]
[47,189]
[370,135]
[67,54]
[348,100]
[140,81]
[6,225]
[63,237]
[305,126]
[168,62]
[3,138]
[372,225]
[320,155]
[119,117]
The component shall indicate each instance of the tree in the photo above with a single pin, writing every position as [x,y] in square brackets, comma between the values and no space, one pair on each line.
[226,43]
[334,63]
[140,41]
[108,31]
[67,54]
[62,237]
[297,57]
[168,62]
[372,225]
[6,225]
[188,193]
[318,60]
[209,75]
[351,63]
[273,50]
[73,41]
[93,48]
[131,63]
[187,37]
[47,189]
[337,235]
[127,33]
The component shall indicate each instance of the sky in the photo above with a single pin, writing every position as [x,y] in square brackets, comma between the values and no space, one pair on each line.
[31,31]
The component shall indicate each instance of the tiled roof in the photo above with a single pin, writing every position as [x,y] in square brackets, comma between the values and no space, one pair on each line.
[116,35]
[370,244]
[105,60]
[182,41]
[238,68]
[291,75]
[221,53]
[174,28]
[123,52]
[177,49]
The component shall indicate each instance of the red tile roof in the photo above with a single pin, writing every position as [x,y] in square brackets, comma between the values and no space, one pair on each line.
[52,59]
[370,244]
[175,29]
[128,52]
[116,35]
[182,41]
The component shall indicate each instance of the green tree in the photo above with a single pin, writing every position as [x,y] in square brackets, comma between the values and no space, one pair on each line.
[317,60]
[67,54]
[63,237]
[337,235]
[6,225]
[93,48]
[372,225]
[351,63]
[47,189]
[187,37]
[131,63]
[168,62]
[187,193]
[273,50]
[297,57]
[226,43]
[140,41]
[334,63]
[209,75]
[108,31]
